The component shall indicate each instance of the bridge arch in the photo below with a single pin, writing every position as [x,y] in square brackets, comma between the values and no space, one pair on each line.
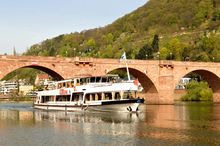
[145,81]
[212,79]
[52,73]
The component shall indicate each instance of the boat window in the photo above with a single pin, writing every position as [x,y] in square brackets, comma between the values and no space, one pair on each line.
[46,99]
[87,97]
[59,85]
[98,79]
[127,95]
[117,95]
[92,80]
[87,80]
[77,82]
[64,84]
[82,81]
[90,97]
[93,96]
[68,84]
[99,95]
[108,96]
[109,79]
[104,79]
[63,98]
[75,96]
[112,79]
[71,84]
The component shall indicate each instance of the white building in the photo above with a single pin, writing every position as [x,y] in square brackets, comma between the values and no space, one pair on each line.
[182,83]
[8,87]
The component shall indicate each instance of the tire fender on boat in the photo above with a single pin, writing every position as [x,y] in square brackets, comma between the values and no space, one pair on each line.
[129,108]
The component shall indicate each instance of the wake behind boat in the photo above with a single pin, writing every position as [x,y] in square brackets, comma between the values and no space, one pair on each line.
[100,93]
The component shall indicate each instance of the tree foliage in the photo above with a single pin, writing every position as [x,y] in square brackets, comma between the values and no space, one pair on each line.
[145,53]
[198,91]
[186,28]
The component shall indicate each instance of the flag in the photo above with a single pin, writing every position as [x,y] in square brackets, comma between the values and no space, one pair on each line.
[123,57]
[136,82]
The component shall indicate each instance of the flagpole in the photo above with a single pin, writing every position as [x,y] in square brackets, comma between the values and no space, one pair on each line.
[124,58]
[127,70]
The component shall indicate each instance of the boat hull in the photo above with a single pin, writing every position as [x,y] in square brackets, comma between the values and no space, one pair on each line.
[107,106]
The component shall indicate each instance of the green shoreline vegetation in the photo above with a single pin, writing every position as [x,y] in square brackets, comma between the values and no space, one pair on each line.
[198,91]
[20,98]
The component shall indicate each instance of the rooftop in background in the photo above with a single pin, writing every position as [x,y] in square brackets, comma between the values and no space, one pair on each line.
[42,76]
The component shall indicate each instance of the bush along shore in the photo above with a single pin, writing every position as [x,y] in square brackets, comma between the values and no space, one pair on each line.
[15,98]
[198,91]
[20,98]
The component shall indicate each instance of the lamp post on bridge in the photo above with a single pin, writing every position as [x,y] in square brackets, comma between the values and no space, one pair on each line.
[171,56]
[158,56]
[74,51]
[185,61]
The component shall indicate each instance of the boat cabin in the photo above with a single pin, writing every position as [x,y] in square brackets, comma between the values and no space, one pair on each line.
[89,97]
[86,80]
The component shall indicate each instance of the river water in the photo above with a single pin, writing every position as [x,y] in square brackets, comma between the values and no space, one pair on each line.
[179,124]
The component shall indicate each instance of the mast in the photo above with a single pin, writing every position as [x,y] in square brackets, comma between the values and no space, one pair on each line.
[127,70]
[123,58]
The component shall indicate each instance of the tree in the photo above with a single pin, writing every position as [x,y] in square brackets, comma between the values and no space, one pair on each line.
[198,91]
[203,56]
[164,53]
[175,47]
[91,43]
[63,52]
[108,38]
[145,52]
[155,43]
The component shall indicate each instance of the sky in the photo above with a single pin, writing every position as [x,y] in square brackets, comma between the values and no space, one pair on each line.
[27,22]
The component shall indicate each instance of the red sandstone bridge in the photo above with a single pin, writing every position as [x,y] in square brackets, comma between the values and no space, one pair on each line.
[158,78]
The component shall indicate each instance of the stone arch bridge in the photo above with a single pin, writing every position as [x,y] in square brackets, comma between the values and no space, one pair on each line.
[158,77]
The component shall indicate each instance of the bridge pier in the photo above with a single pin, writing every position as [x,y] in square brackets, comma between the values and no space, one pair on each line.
[216,97]
[158,98]
[150,98]
[166,92]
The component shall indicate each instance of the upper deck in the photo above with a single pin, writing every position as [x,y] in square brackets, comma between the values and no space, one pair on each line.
[78,81]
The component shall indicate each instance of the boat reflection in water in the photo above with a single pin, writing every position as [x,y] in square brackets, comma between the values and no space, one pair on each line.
[87,117]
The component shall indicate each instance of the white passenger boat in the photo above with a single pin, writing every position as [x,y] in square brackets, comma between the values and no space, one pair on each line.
[100,93]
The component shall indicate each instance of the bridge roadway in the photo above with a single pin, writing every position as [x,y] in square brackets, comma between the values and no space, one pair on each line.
[158,77]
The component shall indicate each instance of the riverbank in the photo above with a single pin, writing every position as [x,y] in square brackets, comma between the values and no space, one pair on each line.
[15,98]
[4,97]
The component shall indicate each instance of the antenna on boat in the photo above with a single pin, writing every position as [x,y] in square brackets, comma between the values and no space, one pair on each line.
[123,58]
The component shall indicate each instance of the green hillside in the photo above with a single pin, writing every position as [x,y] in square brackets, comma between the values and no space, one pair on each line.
[175,28]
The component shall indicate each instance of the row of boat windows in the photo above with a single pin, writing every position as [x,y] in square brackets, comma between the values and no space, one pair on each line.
[82,81]
[108,96]
[89,97]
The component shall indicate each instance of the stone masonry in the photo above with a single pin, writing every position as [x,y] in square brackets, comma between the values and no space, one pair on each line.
[158,77]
